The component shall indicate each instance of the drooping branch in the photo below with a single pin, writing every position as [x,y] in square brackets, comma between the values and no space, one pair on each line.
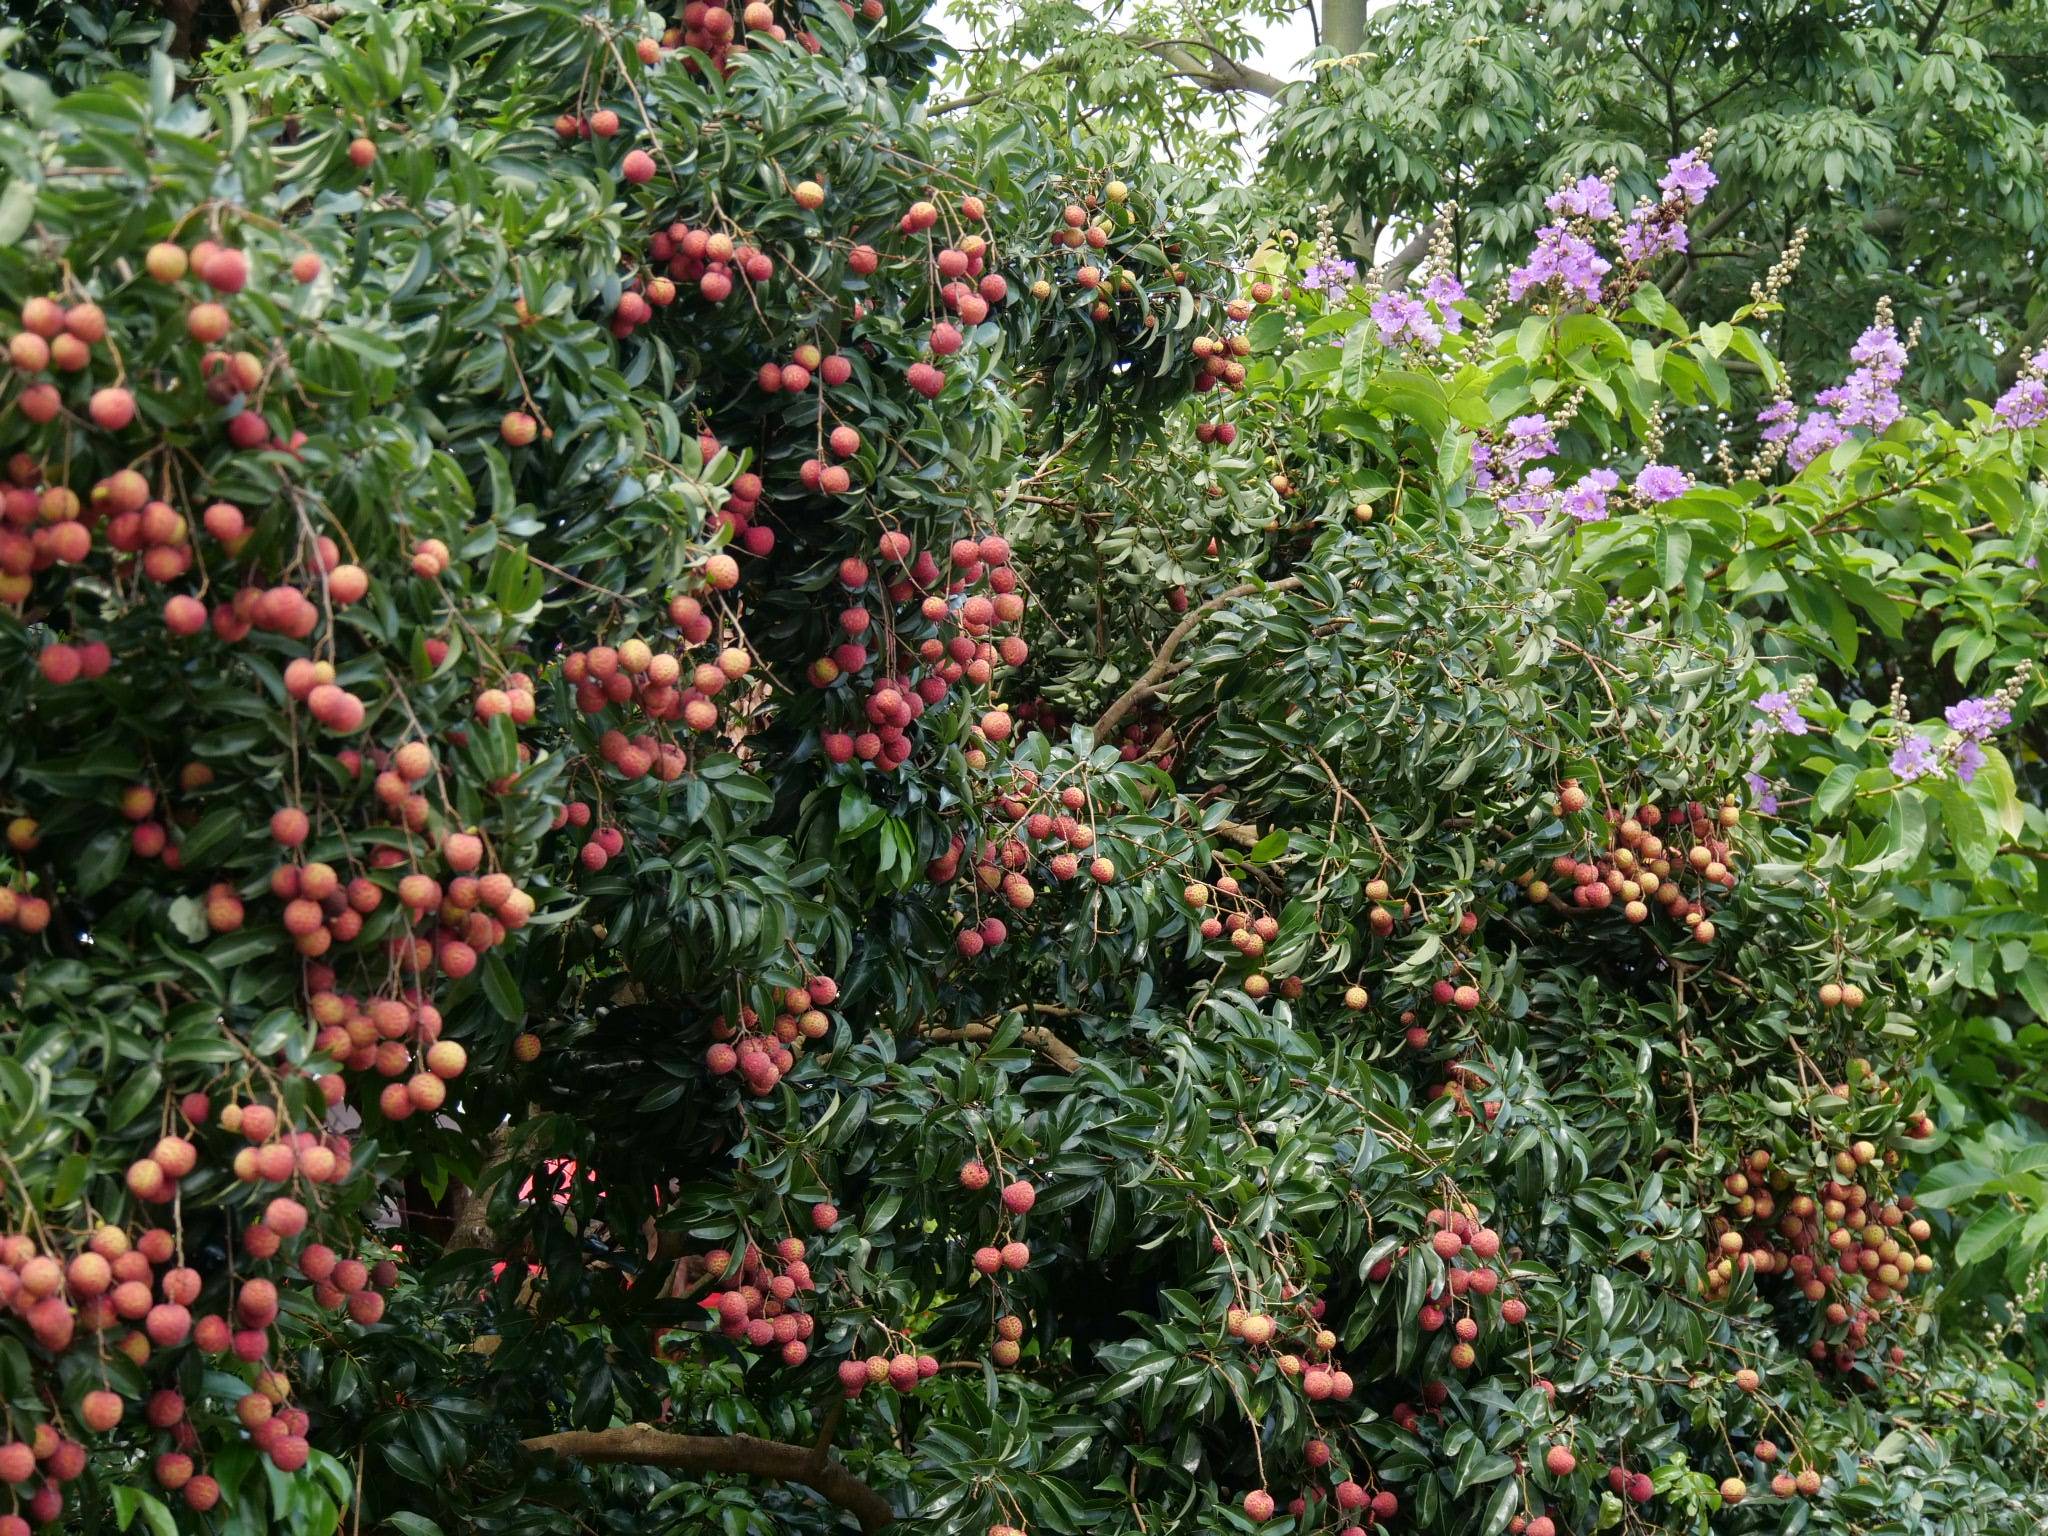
[811,1466]
[1163,665]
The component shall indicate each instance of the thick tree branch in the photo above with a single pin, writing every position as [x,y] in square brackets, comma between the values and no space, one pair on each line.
[1409,257]
[1162,663]
[469,1206]
[1218,71]
[642,1445]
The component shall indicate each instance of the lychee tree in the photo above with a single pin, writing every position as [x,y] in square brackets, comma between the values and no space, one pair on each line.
[721,813]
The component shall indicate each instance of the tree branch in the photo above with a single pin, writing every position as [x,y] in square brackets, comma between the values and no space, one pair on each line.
[1933,26]
[1409,257]
[1037,1036]
[1221,74]
[642,1445]
[1162,663]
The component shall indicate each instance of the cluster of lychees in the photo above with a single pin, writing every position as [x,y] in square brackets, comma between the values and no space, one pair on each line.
[764,1057]
[1008,1253]
[1305,1353]
[765,1308]
[1049,833]
[1679,870]
[957,615]
[1851,1246]
[137,1296]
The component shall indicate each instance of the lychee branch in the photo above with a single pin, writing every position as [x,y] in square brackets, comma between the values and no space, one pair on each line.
[642,1445]
[1036,1036]
[1163,665]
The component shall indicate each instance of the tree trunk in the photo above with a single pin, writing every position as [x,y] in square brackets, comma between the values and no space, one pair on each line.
[1344,25]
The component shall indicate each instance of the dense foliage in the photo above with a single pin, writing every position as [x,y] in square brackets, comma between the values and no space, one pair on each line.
[730,805]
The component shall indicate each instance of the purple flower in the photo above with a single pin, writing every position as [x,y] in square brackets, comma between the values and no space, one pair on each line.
[1866,398]
[1653,231]
[1661,482]
[1687,176]
[1817,434]
[1531,437]
[1401,319]
[1976,719]
[1587,198]
[1499,466]
[1587,500]
[1760,787]
[1779,419]
[1534,499]
[1444,290]
[1915,759]
[1563,258]
[1969,757]
[1777,707]
[1329,276]
[2025,404]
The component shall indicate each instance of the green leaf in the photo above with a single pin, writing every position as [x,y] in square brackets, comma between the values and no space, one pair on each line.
[1269,847]
[500,988]
[17,208]
[369,347]
[1835,790]
[1976,843]
[1986,1235]
[130,1502]
[101,861]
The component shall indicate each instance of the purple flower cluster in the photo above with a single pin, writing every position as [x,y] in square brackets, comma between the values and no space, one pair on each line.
[1535,498]
[1977,719]
[1759,786]
[1587,198]
[1587,500]
[1778,708]
[1562,258]
[1662,482]
[1653,230]
[1687,177]
[1868,398]
[1915,759]
[1818,433]
[1779,419]
[1332,275]
[1444,290]
[2026,403]
[1502,468]
[1401,319]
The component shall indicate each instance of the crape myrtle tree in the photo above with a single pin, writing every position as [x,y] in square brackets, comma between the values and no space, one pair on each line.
[1908,139]
[729,812]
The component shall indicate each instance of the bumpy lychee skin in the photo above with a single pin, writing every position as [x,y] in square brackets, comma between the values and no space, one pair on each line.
[974,1174]
[1019,1197]
[1258,1505]
[1559,1461]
